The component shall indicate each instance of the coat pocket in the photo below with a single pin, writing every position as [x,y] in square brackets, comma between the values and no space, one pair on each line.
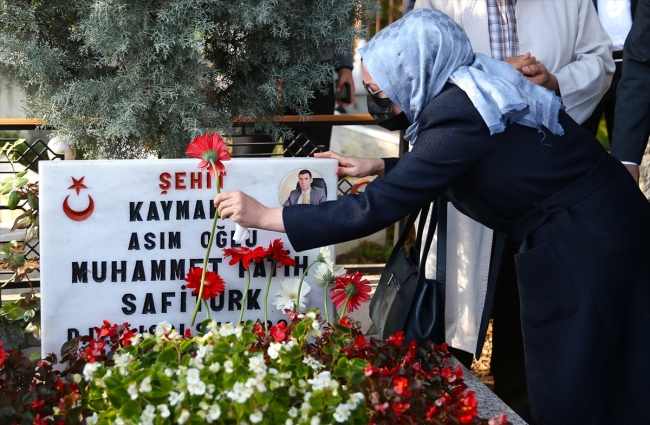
[545,288]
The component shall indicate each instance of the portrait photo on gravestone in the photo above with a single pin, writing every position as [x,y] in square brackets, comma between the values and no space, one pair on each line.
[118,239]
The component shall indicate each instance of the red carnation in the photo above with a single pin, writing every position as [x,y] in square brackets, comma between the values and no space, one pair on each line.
[214,284]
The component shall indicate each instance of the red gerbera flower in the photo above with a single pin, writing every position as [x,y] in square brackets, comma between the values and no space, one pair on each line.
[352,289]
[213,286]
[210,149]
[279,254]
[245,255]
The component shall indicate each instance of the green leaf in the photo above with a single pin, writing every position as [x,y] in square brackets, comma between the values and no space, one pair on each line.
[12,202]
[167,355]
[130,409]
[33,201]
[112,382]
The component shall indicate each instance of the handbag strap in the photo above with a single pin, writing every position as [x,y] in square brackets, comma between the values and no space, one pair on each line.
[438,217]
[407,229]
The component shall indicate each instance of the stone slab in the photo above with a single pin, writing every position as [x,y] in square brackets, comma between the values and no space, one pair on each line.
[108,228]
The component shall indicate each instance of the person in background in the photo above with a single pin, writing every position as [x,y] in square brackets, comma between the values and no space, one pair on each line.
[505,153]
[574,60]
[616,17]
[632,125]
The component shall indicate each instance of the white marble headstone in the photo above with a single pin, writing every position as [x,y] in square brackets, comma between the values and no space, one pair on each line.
[118,238]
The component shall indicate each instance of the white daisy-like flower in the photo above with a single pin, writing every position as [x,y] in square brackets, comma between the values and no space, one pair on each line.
[256,417]
[342,412]
[163,410]
[193,376]
[163,328]
[326,275]
[184,416]
[92,420]
[133,390]
[213,413]
[287,297]
[228,366]
[274,350]
[176,398]
[90,369]
[145,385]
[325,256]
[226,329]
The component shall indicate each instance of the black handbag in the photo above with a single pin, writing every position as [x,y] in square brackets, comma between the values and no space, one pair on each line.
[405,300]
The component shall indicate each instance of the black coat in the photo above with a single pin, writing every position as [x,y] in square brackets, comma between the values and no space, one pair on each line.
[583,267]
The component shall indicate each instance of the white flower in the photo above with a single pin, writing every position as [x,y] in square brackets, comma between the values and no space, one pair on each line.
[133,390]
[323,381]
[286,298]
[92,420]
[145,385]
[238,331]
[164,410]
[326,275]
[214,367]
[214,413]
[89,370]
[312,362]
[185,415]
[256,365]
[325,256]
[169,373]
[315,420]
[288,422]
[193,376]
[256,417]
[274,350]
[293,412]
[240,393]
[292,391]
[342,412]
[196,388]
[256,383]
[163,328]
[355,399]
[149,412]
[226,329]
[228,366]
[175,398]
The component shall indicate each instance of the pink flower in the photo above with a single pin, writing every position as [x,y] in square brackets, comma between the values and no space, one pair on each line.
[210,149]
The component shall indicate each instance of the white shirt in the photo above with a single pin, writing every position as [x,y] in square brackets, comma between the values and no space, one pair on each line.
[616,18]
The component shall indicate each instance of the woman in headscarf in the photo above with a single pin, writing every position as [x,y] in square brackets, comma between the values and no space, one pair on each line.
[505,154]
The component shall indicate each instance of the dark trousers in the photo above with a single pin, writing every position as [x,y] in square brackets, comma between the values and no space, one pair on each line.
[605,106]
[317,135]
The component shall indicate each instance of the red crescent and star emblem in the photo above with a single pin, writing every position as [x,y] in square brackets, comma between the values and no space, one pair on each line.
[78,185]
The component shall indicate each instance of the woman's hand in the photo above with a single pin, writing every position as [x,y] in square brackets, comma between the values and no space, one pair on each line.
[353,166]
[247,212]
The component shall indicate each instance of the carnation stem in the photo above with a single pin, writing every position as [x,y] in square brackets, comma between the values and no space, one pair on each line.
[266,297]
[207,251]
[243,300]
[327,314]
[302,278]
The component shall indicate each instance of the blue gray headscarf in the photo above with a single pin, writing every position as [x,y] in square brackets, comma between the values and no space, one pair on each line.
[412,59]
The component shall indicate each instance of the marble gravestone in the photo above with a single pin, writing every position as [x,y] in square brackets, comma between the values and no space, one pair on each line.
[118,238]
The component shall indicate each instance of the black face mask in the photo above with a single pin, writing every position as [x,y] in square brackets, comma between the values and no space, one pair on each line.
[381,110]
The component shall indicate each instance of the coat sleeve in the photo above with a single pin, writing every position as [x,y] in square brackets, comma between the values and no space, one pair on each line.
[632,125]
[442,154]
[585,80]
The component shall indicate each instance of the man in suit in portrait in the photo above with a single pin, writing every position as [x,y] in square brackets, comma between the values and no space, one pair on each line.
[307,194]
[632,125]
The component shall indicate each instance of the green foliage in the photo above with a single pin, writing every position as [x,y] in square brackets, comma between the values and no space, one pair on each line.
[131,78]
